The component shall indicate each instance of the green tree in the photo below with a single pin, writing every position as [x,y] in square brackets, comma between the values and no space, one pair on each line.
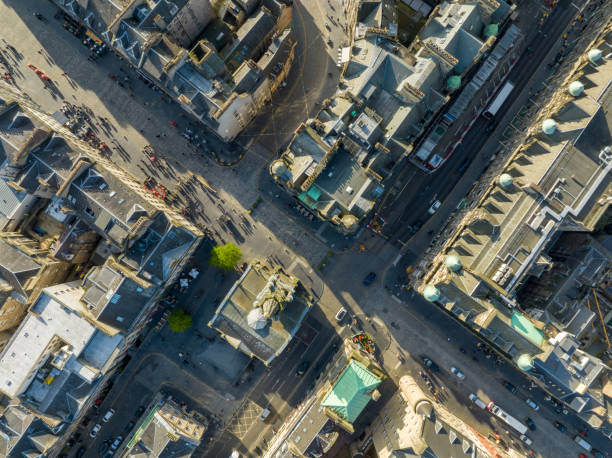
[225,256]
[179,320]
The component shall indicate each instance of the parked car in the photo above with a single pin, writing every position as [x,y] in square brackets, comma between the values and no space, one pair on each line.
[530,423]
[457,373]
[560,426]
[116,443]
[434,207]
[108,415]
[80,452]
[510,387]
[302,368]
[369,278]
[584,444]
[103,447]
[95,430]
[430,364]
[341,314]
[129,426]
[596,453]
[139,411]
[532,404]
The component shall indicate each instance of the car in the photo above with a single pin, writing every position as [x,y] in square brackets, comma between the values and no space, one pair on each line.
[464,165]
[95,430]
[476,400]
[129,426]
[109,454]
[264,414]
[302,368]
[560,426]
[530,424]
[139,411]
[596,453]
[458,373]
[80,452]
[107,416]
[526,439]
[341,314]
[491,126]
[116,443]
[369,278]
[434,207]
[85,421]
[532,404]
[103,447]
[430,364]
[510,387]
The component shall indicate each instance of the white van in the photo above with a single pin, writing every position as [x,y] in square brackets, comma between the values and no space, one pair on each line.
[526,439]
[584,444]
[264,414]
[476,400]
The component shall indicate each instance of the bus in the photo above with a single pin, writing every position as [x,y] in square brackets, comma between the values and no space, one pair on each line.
[498,101]
[507,418]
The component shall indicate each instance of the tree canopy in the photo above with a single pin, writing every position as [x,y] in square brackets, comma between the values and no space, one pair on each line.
[179,320]
[225,256]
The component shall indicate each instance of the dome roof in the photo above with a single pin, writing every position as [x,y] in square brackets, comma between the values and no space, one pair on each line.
[505,180]
[424,408]
[256,319]
[431,293]
[524,362]
[594,55]
[278,168]
[491,30]
[453,262]
[454,82]
[549,126]
[576,88]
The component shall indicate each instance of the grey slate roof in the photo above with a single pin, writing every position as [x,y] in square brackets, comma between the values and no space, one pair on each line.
[115,299]
[16,267]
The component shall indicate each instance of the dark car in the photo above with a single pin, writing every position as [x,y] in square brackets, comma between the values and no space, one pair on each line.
[560,426]
[369,278]
[80,452]
[103,447]
[510,387]
[530,423]
[140,411]
[596,453]
[129,426]
[491,126]
[430,364]
[302,368]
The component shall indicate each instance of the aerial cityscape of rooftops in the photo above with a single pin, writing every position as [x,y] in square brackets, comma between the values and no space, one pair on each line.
[305,228]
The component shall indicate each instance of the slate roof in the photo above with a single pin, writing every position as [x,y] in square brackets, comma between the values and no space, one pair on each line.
[351,392]
[115,299]
[16,267]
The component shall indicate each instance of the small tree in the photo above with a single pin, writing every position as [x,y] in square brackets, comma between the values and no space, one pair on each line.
[179,320]
[225,256]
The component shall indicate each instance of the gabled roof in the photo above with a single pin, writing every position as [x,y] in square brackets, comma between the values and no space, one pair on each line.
[351,393]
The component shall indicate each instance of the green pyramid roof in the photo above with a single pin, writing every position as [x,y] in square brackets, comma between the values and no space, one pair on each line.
[350,394]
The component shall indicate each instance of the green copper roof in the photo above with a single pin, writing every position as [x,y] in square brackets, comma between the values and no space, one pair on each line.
[454,81]
[453,262]
[351,393]
[525,327]
[576,88]
[549,126]
[594,55]
[314,193]
[525,362]
[491,30]
[431,293]
[307,200]
[505,180]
